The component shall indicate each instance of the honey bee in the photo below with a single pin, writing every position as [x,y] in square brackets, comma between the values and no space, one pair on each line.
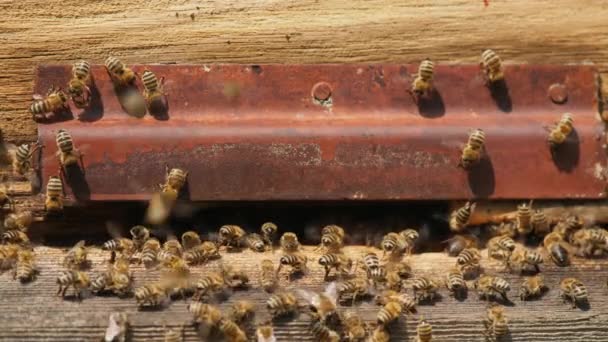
[377,275]
[354,327]
[332,238]
[8,255]
[289,242]
[23,157]
[425,289]
[54,195]
[120,277]
[171,248]
[488,287]
[118,327]
[176,276]
[265,333]
[473,149]
[567,226]
[153,89]
[492,66]
[560,132]
[401,268]
[175,180]
[353,289]
[76,279]
[231,236]
[202,253]
[212,283]
[152,295]
[323,333]
[322,305]
[459,219]
[297,262]
[590,241]
[174,335]
[410,236]
[25,269]
[468,261]
[120,74]
[389,313]
[394,244]
[556,246]
[525,258]
[231,331]
[393,281]
[456,284]
[573,290]
[101,282]
[139,235]
[501,247]
[124,246]
[78,88]
[540,223]
[371,261]
[16,236]
[56,100]
[76,258]
[19,221]
[423,83]
[207,315]
[505,228]
[532,287]
[6,199]
[496,322]
[190,240]
[424,331]
[282,304]
[68,154]
[407,302]
[255,242]
[380,334]
[149,252]
[268,231]
[242,310]
[340,262]
[268,277]
[524,218]
[233,277]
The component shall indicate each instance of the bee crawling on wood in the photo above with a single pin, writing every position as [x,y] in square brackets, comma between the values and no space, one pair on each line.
[153,91]
[423,83]
[340,262]
[21,220]
[425,289]
[268,276]
[119,73]
[332,238]
[149,252]
[282,304]
[524,218]
[296,261]
[53,202]
[242,310]
[22,162]
[560,132]
[78,88]
[56,101]
[524,259]
[389,313]
[6,199]
[489,287]
[492,66]
[573,290]
[206,316]
[501,247]
[289,242]
[231,236]
[557,248]
[190,240]
[457,243]
[590,242]
[139,235]
[68,154]
[532,287]
[424,331]
[268,231]
[459,220]
[234,277]
[255,242]
[202,253]
[379,334]
[409,304]
[175,180]
[265,333]
[468,262]
[210,284]
[78,280]
[25,269]
[77,256]
[354,327]
[231,331]
[322,305]
[394,245]
[8,255]
[152,295]
[123,246]
[353,289]
[473,149]
[456,284]
[540,223]
[497,325]
[16,237]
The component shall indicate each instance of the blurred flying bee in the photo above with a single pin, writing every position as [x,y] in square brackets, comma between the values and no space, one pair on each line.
[425,289]
[16,236]
[149,252]
[540,223]
[234,277]
[202,253]
[118,327]
[501,247]
[23,157]
[496,322]
[231,331]
[491,65]
[560,132]
[423,83]
[556,246]
[78,280]
[190,240]
[176,276]
[322,305]
[468,262]
[153,90]
[458,243]
[354,327]
[8,255]
[353,289]
[68,154]
[489,287]
[54,195]
[282,304]
[394,244]
[78,88]
[389,313]
[210,284]
[340,262]
[456,284]
[268,231]
[174,182]
[242,310]
[297,263]
[25,269]
[76,258]
[151,295]
[473,149]
[424,331]
[573,290]
[56,101]
[119,73]
[268,276]
[139,235]
[174,335]
[459,219]
[21,220]
[525,258]
[289,242]
[231,236]
[265,333]
[409,304]
[255,242]
[380,334]
[590,241]
[532,287]
[524,218]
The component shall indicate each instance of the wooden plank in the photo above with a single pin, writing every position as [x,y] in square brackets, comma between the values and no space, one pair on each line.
[253,31]
[32,313]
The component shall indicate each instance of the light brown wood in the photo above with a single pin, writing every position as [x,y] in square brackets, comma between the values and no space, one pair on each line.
[252,31]
[32,312]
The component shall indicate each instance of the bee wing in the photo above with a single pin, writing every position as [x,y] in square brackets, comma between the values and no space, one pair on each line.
[310,297]
[159,208]
[114,229]
[331,291]
[453,143]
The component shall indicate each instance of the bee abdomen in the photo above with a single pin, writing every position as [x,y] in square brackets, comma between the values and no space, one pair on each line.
[111,245]
[81,69]
[425,70]
[456,281]
[23,152]
[54,187]
[477,139]
[100,283]
[66,278]
[40,107]
[377,274]
[490,60]
[149,80]
[328,259]
[64,141]
[500,284]
[425,332]
[467,256]
[500,327]
[114,65]
[371,260]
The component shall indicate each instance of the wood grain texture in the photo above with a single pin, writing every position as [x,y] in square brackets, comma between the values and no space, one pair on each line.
[32,313]
[309,31]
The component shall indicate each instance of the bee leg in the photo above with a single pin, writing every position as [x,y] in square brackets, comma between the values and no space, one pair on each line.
[81,158]
[326,273]
[537,268]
